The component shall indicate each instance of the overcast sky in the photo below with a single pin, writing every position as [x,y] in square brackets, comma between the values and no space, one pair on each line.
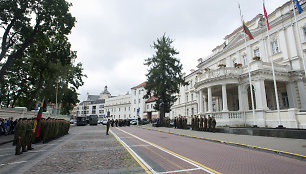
[114,37]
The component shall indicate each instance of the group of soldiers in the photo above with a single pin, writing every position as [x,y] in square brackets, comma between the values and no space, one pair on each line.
[203,124]
[120,123]
[180,122]
[49,129]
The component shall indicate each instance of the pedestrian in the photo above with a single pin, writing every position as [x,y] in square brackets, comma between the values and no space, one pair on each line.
[213,123]
[107,126]
[112,122]
[209,123]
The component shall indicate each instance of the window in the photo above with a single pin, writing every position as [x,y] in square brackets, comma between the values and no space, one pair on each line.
[192,98]
[135,92]
[245,59]
[275,47]
[134,101]
[147,106]
[190,83]
[186,97]
[151,106]
[93,111]
[256,52]
[139,92]
[134,110]
[138,100]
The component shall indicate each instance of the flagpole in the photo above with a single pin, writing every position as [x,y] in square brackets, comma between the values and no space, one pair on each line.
[299,35]
[274,79]
[250,80]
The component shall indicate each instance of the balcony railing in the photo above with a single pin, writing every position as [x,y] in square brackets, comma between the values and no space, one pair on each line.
[237,71]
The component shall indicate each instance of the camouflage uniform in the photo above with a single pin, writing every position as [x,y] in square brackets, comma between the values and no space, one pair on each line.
[213,123]
[205,123]
[209,123]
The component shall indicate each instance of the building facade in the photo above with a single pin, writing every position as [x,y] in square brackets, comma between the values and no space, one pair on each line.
[119,107]
[223,82]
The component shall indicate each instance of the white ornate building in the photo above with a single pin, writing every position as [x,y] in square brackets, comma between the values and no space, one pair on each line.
[221,82]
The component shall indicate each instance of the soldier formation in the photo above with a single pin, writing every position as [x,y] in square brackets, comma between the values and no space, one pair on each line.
[198,123]
[49,129]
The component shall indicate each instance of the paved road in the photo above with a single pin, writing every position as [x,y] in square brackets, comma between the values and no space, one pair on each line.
[86,149]
[168,153]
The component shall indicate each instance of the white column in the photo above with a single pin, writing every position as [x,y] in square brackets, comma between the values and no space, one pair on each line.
[204,103]
[283,44]
[263,55]
[217,104]
[224,98]
[260,94]
[200,102]
[292,98]
[292,42]
[210,109]
[302,92]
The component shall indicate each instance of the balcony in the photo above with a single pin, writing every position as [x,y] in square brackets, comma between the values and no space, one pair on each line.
[225,72]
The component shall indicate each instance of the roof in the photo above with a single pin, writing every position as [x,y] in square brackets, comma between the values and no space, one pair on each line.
[98,101]
[93,97]
[152,99]
[140,85]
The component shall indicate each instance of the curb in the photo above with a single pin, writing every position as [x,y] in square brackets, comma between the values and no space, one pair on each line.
[278,152]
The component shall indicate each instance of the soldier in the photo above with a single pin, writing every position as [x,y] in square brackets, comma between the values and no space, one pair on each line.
[209,123]
[213,123]
[17,139]
[205,123]
[185,122]
[29,133]
[196,123]
[107,126]
[174,122]
[23,135]
[192,123]
[201,123]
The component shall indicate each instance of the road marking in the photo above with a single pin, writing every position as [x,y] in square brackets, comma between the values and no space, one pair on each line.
[140,161]
[233,143]
[37,151]
[185,170]
[141,145]
[17,162]
[194,163]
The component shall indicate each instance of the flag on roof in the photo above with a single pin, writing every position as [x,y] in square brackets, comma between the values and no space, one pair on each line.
[246,30]
[299,8]
[266,16]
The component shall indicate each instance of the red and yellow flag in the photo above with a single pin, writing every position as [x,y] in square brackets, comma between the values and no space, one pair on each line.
[246,30]
[37,124]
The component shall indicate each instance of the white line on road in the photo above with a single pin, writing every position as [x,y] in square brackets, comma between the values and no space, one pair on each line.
[185,170]
[139,158]
[162,149]
[17,162]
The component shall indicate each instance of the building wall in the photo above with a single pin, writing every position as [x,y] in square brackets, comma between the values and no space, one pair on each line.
[119,107]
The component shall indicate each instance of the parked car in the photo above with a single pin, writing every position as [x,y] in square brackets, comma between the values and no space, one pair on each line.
[72,121]
[104,122]
[133,122]
[145,121]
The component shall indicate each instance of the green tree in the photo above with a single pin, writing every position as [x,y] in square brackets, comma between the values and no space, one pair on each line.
[164,74]
[22,20]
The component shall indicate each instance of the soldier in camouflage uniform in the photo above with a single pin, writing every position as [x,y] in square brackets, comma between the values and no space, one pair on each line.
[201,123]
[209,123]
[17,138]
[192,123]
[213,124]
[23,130]
[29,133]
[107,126]
[205,123]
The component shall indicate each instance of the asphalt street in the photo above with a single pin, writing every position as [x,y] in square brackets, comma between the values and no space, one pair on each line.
[167,153]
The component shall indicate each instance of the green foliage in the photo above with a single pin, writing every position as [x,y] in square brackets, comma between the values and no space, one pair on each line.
[40,59]
[164,73]
[21,21]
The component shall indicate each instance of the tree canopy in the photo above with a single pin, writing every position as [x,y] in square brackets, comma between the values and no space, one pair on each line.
[36,56]
[21,21]
[164,74]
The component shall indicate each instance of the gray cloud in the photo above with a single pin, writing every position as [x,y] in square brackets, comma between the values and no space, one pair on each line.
[113,37]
